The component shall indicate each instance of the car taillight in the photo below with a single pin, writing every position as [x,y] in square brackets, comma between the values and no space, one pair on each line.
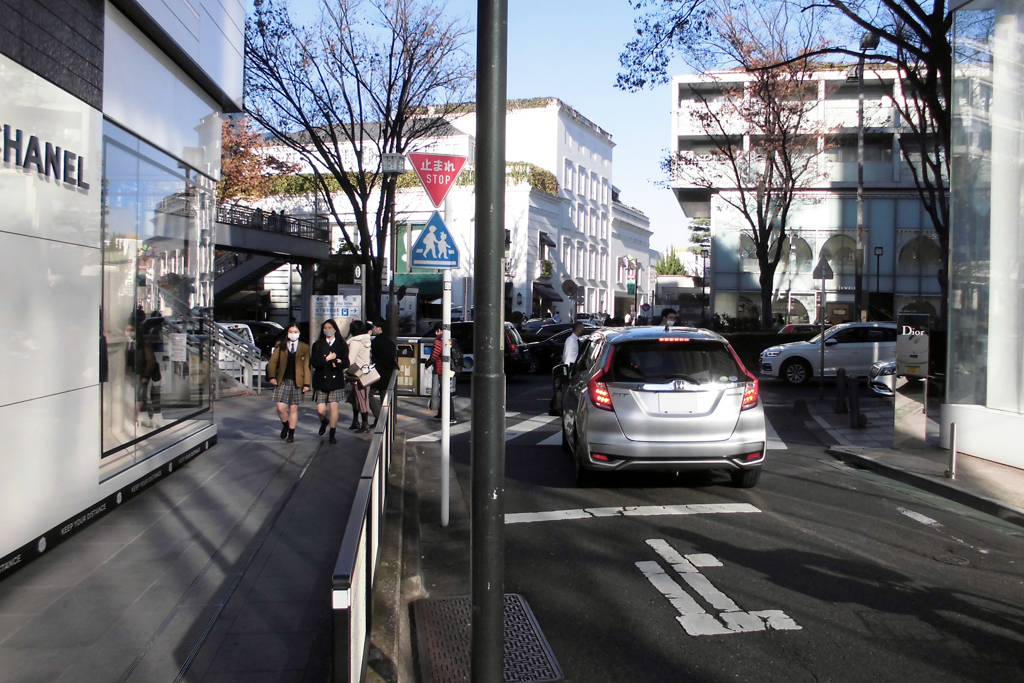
[751,390]
[599,394]
[512,347]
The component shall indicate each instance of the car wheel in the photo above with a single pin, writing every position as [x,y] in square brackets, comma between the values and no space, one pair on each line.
[796,372]
[566,446]
[534,365]
[584,478]
[746,479]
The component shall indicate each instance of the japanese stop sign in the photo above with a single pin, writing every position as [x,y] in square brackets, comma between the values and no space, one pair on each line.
[437,172]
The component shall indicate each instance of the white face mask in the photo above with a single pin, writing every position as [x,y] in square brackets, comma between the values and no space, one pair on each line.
[329,332]
[293,336]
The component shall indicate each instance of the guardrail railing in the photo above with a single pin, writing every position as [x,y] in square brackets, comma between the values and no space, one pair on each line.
[248,217]
[356,567]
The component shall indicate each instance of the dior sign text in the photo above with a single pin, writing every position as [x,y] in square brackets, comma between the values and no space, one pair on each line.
[47,159]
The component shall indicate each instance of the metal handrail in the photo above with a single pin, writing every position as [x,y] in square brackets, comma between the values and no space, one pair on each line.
[228,261]
[356,566]
[248,217]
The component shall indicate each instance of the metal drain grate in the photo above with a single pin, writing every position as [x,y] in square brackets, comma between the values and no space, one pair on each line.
[443,642]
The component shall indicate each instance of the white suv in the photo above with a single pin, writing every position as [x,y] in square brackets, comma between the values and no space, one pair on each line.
[853,346]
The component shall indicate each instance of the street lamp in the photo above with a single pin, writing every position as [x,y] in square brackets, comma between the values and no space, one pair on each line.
[878,267]
[868,41]
[703,283]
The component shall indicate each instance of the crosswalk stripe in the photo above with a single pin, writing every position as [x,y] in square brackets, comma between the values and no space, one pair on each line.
[774,442]
[518,429]
[553,440]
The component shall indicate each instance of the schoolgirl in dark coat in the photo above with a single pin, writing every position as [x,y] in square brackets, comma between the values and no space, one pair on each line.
[329,360]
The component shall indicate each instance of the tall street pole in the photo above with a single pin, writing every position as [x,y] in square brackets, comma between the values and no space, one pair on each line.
[487,452]
[859,264]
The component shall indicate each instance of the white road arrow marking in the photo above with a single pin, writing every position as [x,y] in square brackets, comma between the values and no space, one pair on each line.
[637,511]
[524,427]
[918,517]
[693,618]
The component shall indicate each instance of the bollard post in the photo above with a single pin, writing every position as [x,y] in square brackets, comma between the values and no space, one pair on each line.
[840,404]
[951,472]
[853,387]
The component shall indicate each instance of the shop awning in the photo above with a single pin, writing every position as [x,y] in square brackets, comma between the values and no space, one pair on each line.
[429,284]
[547,241]
[546,291]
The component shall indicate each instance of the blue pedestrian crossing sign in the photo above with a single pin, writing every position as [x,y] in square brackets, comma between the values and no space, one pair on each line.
[434,248]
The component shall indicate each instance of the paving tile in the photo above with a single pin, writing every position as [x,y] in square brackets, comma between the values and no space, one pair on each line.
[143,550]
[64,625]
[256,677]
[297,588]
[35,666]
[67,565]
[278,617]
[270,652]
[28,599]
[10,623]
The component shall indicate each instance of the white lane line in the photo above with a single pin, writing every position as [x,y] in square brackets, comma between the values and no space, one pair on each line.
[697,581]
[637,511]
[527,426]
[436,436]
[512,432]
[692,617]
[918,517]
[774,442]
[553,440]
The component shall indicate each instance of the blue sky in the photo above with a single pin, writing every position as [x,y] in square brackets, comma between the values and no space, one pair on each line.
[569,49]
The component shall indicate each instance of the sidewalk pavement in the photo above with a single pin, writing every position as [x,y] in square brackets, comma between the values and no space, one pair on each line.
[220,572]
[982,485]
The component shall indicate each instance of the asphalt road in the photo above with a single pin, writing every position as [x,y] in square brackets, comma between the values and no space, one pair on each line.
[820,573]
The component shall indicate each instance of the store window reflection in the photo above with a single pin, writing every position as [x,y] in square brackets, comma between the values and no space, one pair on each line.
[157,251]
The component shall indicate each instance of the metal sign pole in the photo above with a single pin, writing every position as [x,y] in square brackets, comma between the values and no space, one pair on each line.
[487,570]
[821,343]
[446,391]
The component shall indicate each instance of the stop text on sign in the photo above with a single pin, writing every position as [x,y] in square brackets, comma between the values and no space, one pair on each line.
[437,172]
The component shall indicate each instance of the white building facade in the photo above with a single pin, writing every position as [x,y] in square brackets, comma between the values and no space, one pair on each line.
[902,253]
[551,237]
[112,145]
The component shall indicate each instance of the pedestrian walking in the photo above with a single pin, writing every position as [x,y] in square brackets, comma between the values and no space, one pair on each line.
[436,362]
[570,352]
[329,358]
[361,374]
[384,354]
[289,372]
[557,317]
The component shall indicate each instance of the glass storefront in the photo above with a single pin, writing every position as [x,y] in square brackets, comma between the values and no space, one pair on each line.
[158,218]
[986,321]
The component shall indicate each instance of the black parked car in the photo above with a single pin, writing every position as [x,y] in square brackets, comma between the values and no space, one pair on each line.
[547,353]
[516,357]
[530,327]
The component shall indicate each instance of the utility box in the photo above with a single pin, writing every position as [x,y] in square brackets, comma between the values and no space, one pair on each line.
[408,367]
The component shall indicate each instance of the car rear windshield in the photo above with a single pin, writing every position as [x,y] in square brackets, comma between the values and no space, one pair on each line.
[698,362]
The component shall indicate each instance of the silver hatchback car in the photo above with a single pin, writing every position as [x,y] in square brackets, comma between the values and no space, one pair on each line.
[659,399]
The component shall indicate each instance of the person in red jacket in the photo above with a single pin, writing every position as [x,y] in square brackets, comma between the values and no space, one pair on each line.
[437,364]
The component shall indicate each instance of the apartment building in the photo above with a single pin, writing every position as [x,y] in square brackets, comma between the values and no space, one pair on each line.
[902,254]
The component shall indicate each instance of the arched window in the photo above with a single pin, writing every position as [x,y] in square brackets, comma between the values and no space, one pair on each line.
[841,253]
[921,306]
[804,255]
[746,309]
[921,254]
[791,310]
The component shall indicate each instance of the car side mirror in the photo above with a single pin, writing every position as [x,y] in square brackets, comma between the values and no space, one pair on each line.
[831,342]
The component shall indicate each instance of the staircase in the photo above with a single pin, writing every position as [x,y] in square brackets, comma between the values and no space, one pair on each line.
[235,272]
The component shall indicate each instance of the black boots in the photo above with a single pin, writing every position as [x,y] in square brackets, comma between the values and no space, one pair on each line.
[323,427]
[366,425]
[333,439]
[284,429]
[291,436]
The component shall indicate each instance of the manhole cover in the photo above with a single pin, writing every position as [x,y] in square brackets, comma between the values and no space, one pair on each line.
[952,559]
[443,642]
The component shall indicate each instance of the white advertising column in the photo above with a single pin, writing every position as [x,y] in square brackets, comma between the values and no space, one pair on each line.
[446,390]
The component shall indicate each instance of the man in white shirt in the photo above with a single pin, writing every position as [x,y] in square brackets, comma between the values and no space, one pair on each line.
[571,349]
[557,317]
[570,352]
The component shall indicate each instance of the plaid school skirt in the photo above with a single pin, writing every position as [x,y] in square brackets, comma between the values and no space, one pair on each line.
[336,396]
[286,392]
